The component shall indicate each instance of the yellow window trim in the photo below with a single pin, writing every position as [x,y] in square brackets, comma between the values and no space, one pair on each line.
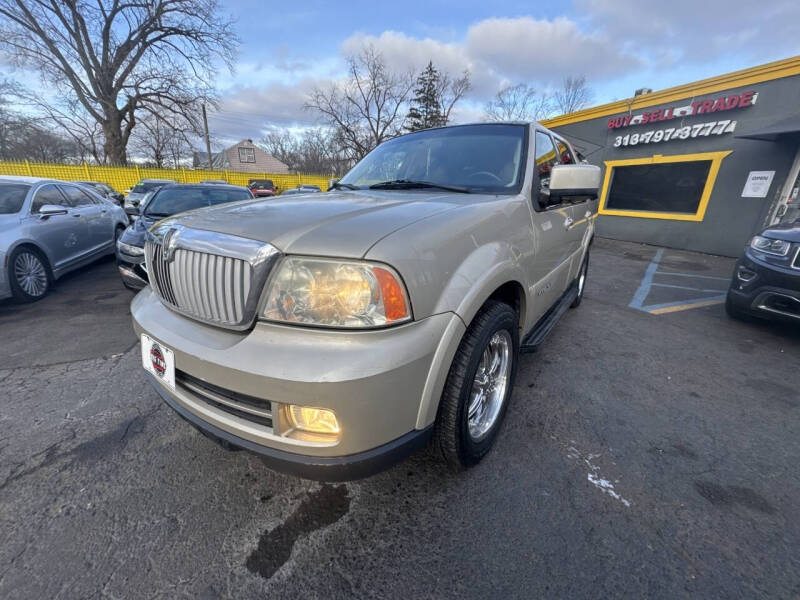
[716,161]
[759,74]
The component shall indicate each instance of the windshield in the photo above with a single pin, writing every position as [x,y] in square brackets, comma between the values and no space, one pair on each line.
[12,195]
[481,158]
[169,201]
[147,186]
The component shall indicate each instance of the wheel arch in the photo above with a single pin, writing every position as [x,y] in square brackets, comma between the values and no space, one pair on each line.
[26,243]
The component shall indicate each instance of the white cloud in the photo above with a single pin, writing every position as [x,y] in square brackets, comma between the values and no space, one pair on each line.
[542,51]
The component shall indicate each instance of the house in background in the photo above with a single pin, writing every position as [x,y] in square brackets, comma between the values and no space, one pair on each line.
[244,157]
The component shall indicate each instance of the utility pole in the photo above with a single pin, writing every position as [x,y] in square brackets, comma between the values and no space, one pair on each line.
[208,140]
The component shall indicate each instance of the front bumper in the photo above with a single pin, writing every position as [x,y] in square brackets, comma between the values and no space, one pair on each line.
[132,271]
[772,291]
[383,385]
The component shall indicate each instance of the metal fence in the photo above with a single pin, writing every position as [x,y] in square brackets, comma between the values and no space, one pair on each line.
[124,178]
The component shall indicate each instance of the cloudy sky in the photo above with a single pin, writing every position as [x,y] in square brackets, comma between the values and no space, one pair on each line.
[620,45]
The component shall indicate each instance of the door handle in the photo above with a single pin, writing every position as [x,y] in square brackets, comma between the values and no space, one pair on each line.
[568,223]
[76,215]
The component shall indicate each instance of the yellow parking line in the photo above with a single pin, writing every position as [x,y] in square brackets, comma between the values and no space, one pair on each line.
[679,307]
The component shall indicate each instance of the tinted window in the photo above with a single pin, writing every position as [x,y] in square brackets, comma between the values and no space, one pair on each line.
[482,158]
[12,196]
[670,187]
[76,196]
[545,157]
[170,201]
[48,194]
[266,184]
[147,186]
[565,156]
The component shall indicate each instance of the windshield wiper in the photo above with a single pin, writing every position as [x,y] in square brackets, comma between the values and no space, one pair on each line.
[407,183]
[151,214]
[345,186]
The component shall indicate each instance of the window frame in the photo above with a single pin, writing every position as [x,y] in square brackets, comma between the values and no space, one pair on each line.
[67,204]
[247,149]
[714,157]
[66,188]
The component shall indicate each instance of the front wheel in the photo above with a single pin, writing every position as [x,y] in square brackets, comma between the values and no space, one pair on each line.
[478,386]
[27,272]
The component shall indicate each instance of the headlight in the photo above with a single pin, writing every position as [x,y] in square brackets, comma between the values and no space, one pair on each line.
[770,246]
[129,250]
[335,293]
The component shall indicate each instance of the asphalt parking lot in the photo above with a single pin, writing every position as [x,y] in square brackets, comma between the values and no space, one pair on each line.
[650,451]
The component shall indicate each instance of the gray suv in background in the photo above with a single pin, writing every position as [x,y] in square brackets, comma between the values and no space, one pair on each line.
[335,333]
[48,228]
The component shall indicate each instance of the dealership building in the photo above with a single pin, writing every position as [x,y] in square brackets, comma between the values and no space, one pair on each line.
[701,166]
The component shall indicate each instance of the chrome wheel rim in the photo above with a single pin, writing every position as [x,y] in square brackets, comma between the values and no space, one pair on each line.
[30,274]
[489,385]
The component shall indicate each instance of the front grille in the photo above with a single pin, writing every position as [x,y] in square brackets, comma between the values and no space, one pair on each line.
[796,261]
[206,286]
[209,276]
[240,405]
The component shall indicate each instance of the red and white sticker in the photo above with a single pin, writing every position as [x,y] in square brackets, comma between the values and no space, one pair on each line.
[158,360]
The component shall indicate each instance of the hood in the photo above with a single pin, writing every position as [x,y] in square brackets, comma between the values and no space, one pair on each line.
[134,235]
[342,223]
[783,231]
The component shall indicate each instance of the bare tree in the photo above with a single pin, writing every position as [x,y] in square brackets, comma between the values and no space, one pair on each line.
[164,141]
[451,90]
[368,107]
[518,103]
[573,95]
[314,151]
[117,58]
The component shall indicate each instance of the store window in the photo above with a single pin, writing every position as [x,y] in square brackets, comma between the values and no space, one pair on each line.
[670,188]
[661,187]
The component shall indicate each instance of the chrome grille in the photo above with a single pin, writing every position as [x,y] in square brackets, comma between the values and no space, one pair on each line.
[221,290]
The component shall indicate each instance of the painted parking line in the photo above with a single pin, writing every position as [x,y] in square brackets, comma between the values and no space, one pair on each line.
[647,284]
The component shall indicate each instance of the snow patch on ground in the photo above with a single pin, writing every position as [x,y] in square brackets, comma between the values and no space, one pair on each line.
[593,476]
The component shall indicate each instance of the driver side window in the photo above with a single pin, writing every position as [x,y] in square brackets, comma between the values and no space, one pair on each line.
[48,194]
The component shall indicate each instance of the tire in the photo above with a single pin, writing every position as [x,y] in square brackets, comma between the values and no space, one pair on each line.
[29,274]
[580,281]
[460,440]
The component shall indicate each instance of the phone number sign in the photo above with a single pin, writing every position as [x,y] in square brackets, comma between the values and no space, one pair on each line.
[666,134]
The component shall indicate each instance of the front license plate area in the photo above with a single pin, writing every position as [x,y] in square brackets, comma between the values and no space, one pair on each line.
[158,360]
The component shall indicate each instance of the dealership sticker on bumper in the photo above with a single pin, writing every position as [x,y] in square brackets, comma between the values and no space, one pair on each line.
[158,360]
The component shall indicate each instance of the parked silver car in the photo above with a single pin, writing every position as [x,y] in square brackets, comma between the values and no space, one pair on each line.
[48,228]
[333,334]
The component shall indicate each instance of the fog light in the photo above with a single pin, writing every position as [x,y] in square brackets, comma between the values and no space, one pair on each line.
[745,274]
[314,420]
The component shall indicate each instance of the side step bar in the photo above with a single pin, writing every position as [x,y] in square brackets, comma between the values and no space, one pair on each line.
[534,338]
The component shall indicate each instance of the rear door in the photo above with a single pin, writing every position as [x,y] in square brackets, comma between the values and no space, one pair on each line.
[549,269]
[96,213]
[64,237]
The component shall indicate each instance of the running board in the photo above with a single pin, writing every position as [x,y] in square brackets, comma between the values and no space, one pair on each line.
[534,338]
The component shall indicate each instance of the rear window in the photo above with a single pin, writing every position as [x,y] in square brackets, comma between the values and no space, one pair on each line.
[147,186]
[170,201]
[12,196]
[265,184]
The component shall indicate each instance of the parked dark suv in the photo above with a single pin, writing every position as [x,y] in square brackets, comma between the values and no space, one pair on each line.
[766,280]
[167,201]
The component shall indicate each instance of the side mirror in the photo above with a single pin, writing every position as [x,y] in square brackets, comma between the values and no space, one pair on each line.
[573,183]
[48,210]
[133,211]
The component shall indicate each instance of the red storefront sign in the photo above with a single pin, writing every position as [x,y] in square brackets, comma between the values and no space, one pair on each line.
[698,107]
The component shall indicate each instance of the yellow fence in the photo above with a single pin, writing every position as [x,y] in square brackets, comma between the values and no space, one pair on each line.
[124,178]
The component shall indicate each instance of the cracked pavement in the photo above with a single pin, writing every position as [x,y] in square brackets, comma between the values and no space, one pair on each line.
[690,417]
